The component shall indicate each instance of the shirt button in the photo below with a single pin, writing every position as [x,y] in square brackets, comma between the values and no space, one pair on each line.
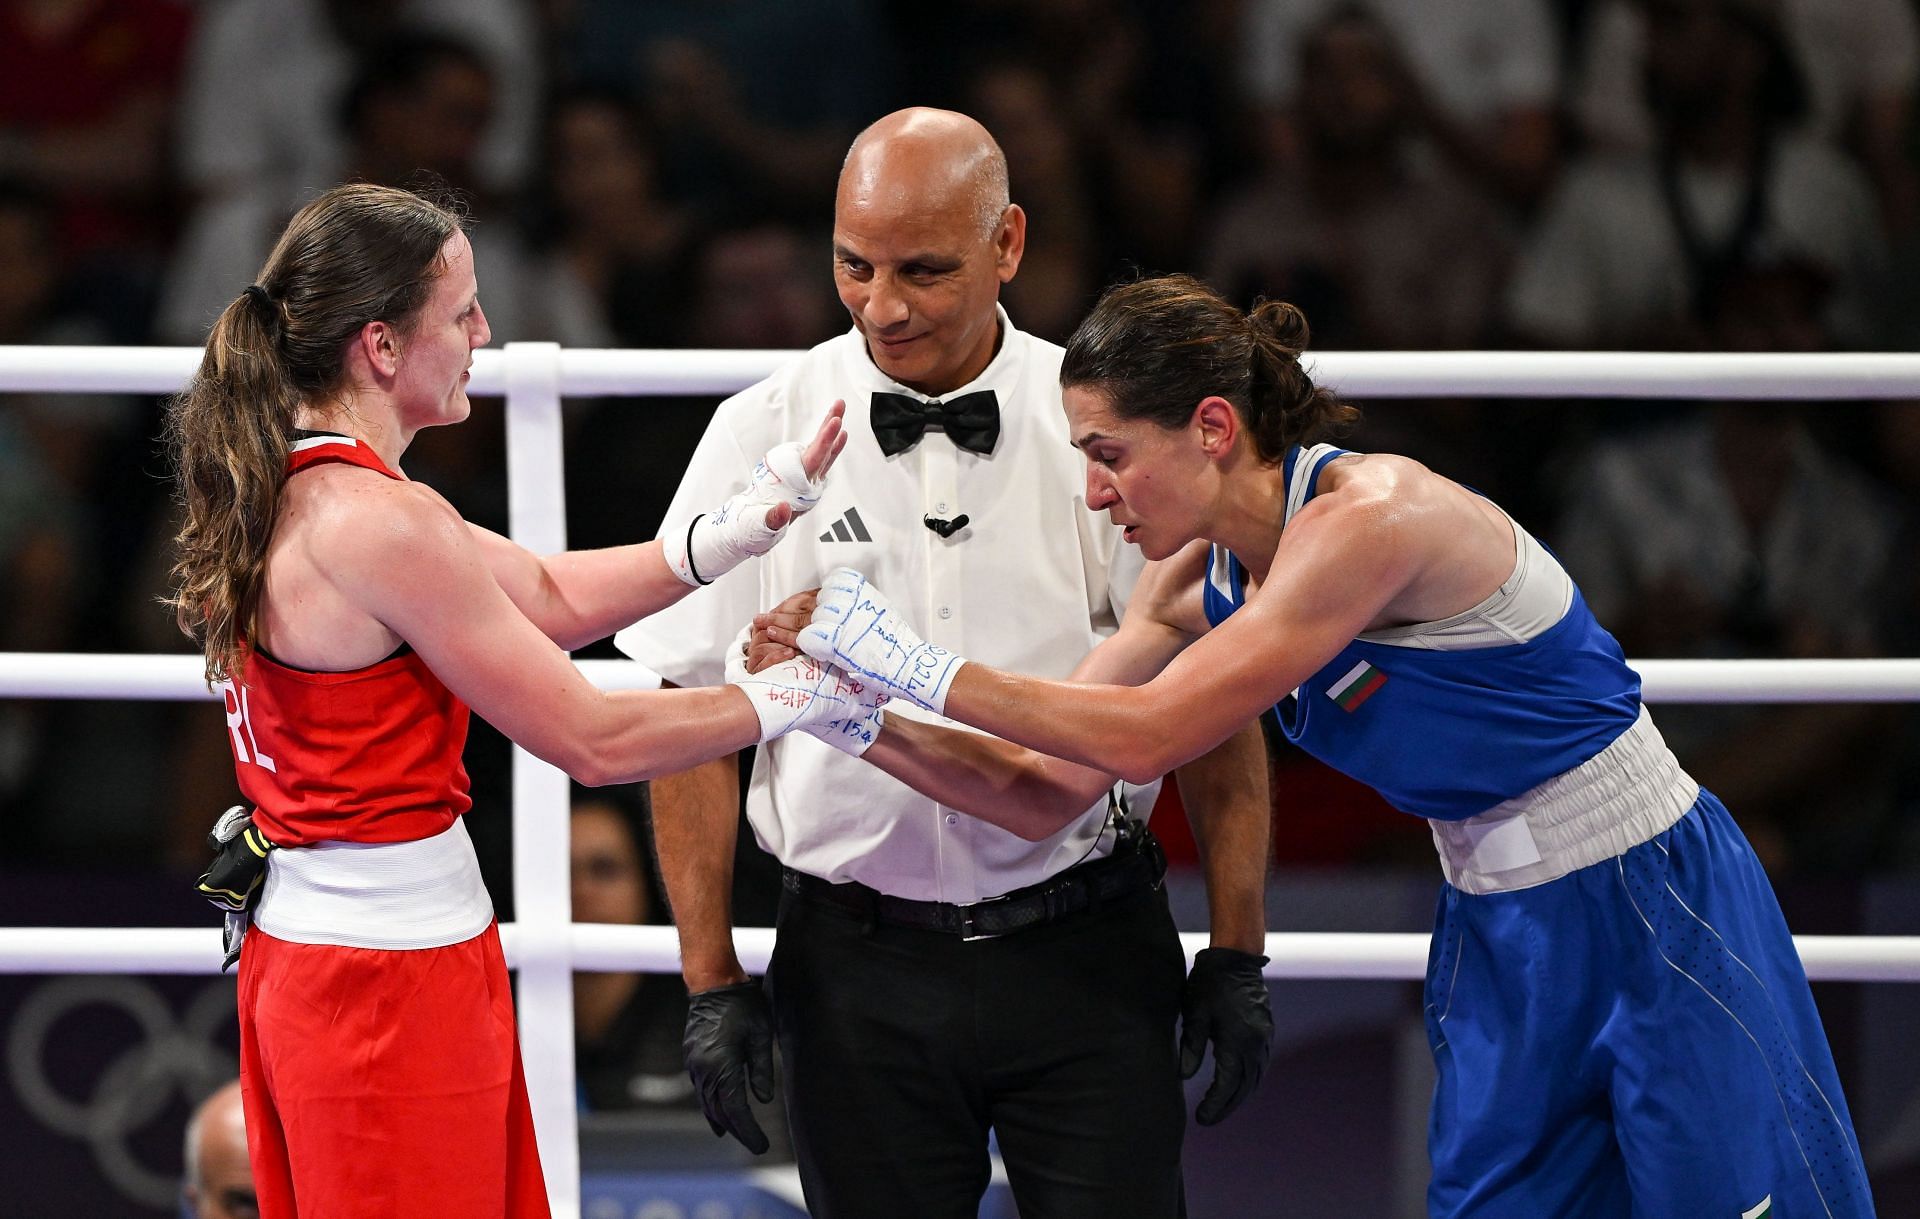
[941,506]
[946,611]
[952,820]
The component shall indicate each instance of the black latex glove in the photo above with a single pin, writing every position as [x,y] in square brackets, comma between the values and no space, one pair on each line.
[729,1048]
[1225,1003]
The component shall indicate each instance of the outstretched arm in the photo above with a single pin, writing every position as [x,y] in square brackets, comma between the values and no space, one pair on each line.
[400,555]
[578,596]
[1016,788]
[1202,697]
[1341,565]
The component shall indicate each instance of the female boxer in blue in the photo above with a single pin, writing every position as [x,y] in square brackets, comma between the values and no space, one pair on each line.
[1619,1018]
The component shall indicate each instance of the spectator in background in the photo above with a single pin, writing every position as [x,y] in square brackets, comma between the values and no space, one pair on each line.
[1379,248]
[413,104]
[1734,533]
[418,102]
[740,129]
[87,92]
[615,250]
[1633,244]
[219,1181]
[237,136]
[758,285]
[1146,146]
[626,1025]
[72,509]
[1859,59]
[63,443]
[417,105]
[419,109]
[1146,153]
[1060,275]
[1479,78]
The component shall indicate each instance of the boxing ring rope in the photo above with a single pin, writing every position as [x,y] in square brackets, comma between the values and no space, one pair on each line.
[616,948]
[590,373]
[546,946]
[177,678]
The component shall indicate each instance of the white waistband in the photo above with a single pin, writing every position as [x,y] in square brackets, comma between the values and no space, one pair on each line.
[421,894]
[1626,794]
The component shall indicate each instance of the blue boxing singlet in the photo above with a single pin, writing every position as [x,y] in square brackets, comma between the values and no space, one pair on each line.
[1604,925]
[1446,734]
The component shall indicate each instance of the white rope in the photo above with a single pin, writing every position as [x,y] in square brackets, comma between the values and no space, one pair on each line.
[1358,374]
[1614,374]
[1779,681]
[603,947]
[178,678]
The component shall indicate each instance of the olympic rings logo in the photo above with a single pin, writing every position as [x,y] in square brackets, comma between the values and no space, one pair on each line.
[172,1057]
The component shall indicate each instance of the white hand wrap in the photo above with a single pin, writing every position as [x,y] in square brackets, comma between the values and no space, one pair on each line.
[805,694]
[716,542]
[855,628]
[851,730]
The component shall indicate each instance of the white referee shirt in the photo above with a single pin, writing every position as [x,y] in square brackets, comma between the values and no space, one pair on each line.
[1032,582]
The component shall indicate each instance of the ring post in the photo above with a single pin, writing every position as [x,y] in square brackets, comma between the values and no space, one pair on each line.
[542,899]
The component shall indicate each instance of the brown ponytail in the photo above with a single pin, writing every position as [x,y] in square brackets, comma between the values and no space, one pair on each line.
[357,254]
[229,433]
[1156,347]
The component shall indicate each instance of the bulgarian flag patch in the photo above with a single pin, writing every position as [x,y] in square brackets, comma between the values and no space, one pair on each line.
[1357,686]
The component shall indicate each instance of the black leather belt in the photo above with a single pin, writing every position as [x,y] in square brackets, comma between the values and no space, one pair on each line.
[1136,866]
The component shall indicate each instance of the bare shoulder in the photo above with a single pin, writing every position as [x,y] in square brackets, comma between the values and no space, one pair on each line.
[1376,477]
[345,517]
[1389,490]
[1437,546]
[1401,516]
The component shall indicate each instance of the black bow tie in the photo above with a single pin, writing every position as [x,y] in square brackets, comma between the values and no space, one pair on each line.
[971,420]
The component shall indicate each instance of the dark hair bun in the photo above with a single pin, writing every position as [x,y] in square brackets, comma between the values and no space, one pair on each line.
[1281,324]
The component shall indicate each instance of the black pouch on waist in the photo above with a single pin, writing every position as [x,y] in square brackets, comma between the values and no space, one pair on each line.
[232,880]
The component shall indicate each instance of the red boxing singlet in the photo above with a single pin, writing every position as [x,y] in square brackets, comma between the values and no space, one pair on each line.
[365,755]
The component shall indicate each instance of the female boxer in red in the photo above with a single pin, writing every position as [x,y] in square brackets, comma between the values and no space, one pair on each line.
[352,618]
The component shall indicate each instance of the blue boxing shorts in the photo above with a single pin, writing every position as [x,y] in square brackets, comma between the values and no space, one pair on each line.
[1636,1038]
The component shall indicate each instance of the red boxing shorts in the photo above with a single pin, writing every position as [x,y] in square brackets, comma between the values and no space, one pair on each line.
[385,1085]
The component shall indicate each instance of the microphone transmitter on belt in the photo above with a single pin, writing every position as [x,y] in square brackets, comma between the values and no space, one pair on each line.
[944,528]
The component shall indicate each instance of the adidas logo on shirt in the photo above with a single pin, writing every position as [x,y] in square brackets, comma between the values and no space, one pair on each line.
[849,528]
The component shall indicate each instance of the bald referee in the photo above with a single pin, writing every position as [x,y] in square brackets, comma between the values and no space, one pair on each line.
[935,977]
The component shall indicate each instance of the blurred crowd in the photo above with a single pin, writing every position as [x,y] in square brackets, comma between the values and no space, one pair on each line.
[1737,175]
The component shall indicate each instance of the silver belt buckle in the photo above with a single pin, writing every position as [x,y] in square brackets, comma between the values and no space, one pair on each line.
[967,934]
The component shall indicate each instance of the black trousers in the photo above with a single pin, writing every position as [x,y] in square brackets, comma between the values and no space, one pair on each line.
[903,1047]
